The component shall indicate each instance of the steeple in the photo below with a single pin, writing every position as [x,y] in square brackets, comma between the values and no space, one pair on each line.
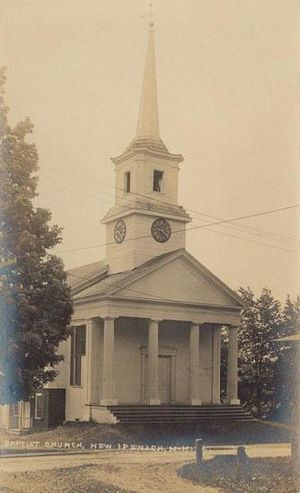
[146,219]
[148,122]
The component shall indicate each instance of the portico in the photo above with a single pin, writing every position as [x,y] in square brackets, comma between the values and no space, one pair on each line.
[149,371]
[150,387]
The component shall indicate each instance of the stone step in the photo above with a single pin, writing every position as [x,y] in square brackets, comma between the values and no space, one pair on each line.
[186,416]
[136,414]
[175,411]
[176,408]
[167,410]
[182,420]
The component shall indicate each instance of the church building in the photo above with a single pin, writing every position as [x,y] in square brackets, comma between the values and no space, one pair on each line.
[146,328]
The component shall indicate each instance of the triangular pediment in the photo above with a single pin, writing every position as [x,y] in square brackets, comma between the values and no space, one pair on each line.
[180,278]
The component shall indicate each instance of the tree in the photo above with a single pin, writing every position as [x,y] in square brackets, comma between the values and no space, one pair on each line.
[258,365]
[35,299]
[287,382]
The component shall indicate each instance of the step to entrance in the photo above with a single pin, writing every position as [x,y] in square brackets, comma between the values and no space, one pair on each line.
[143,414]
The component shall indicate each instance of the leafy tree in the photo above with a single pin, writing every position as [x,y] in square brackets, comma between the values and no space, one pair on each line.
[287,381]
[258,366]
[35,303]
[223,362]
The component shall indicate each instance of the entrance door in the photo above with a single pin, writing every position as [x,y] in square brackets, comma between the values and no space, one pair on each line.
[164,379]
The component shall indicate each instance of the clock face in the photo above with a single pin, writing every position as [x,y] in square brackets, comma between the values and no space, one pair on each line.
[161,230]
[120,231]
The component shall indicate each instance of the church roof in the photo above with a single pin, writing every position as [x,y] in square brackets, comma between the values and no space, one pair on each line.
[84,277]
[98,281]
[78,276]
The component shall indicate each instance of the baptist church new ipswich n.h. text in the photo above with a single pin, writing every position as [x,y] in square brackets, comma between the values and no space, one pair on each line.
[147,320]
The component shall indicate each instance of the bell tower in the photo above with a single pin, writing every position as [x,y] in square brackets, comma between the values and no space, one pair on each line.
[146,219]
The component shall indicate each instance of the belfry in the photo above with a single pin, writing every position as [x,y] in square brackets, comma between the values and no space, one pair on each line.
[146,331]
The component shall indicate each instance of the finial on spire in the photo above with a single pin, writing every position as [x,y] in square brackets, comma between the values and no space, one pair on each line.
[151,23]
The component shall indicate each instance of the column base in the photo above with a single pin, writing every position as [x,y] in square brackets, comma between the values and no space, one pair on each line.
[154,402]
[108,402]
[195,402]
[233,402]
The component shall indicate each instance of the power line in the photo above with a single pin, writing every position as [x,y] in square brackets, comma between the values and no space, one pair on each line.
[255,231]
[276,247]
[217,223]
[248,229]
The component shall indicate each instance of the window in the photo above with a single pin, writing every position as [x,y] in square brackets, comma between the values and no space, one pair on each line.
[77,351]
[127,181]
[39,410]
[157,180]
[15,410]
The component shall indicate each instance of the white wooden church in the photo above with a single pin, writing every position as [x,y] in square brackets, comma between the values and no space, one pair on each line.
[147,319]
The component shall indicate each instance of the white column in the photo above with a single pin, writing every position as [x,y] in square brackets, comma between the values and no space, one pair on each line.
[153,397]
[232,367]
[216,373]
[108,388]
[194,365]
[92,354]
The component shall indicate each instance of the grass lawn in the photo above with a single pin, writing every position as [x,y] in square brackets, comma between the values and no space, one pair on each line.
[165,435]
[70,480]
[261,475]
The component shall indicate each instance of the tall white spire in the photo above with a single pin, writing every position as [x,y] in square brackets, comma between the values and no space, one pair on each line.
[148,123]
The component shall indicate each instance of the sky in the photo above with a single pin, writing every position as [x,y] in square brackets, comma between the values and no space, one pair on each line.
[228,88]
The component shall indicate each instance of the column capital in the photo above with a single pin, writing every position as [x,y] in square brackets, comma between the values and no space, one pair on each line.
[78,322]
[91,320]
[196,322]
[108,317]
[155,320]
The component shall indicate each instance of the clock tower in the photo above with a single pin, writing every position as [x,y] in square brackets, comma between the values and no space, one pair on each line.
[146,220]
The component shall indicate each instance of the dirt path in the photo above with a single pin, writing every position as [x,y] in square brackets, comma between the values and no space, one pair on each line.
[149,478]
[112,471]
[134,471]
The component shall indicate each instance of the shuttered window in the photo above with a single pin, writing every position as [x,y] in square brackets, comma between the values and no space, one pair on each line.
[77,351]
[39,412]
[15,410]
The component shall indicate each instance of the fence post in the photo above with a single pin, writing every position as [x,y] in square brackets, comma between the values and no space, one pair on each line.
[199,452]
[241,455]
[295,454]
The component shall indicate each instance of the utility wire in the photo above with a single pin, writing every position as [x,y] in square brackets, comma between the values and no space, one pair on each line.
[216,223]
[160,201]
[247,229]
